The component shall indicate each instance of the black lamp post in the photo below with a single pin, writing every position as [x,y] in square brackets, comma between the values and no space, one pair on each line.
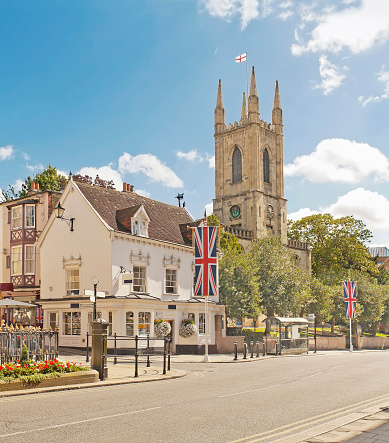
[59,211]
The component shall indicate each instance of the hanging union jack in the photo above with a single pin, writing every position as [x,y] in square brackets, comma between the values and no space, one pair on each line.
[205,260]
[39,314]
[350,298]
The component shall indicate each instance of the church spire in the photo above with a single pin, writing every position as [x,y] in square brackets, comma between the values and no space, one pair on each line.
[253,102]
[277,111]
[219,110]
[244,109]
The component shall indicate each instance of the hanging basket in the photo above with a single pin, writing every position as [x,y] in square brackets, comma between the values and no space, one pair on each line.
[187,329]
[162,328]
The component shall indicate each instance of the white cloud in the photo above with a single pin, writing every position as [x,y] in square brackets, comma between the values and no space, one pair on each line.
[105,173]
[152,167]
[209,209]
[370,207]
[356,28]
[6,152]
[330,74]
[211,162]
[25,156]
[383,76]
[142,192]
[341,161]
[303,212]
[35,168]
[192,155]
[226,9]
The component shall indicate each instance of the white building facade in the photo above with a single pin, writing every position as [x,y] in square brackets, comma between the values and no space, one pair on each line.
[118,236]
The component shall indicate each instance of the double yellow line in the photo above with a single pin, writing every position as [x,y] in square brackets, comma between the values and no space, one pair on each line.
[310,422]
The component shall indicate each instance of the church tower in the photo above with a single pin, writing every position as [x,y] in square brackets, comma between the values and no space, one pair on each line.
[249,176]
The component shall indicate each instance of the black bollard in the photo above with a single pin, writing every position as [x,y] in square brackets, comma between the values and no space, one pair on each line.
[257,345]
[87,347]
[252,349]
[236,350]
[245,351]
[115,360]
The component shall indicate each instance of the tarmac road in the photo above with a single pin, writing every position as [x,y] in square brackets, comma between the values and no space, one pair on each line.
[264,400]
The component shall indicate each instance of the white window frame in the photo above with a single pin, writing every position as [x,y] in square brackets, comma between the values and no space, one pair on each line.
[144,326]
[202,321]
[17,218]
[139,280]
[28,217]
[75,326]
[130,324]
[19,256]
[171,282]
[29,260]
[69,282]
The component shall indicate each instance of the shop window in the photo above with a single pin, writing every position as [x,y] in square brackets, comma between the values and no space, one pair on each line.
[144,323]
[202,323]
[71,323]
[130,324]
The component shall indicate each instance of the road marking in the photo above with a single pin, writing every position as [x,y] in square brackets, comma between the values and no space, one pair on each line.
[251,390]
[308,421]
[46,428]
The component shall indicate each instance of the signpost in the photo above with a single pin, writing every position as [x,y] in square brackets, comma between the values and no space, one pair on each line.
[93,295]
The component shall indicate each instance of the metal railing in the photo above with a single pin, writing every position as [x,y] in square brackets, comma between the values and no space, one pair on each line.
[146,351]
[41,345]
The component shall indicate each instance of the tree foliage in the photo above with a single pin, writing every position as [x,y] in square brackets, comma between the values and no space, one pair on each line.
[337,244]
[48,180]
[284,287]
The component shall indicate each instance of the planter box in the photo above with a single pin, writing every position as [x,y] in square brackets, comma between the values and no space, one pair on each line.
[70,378]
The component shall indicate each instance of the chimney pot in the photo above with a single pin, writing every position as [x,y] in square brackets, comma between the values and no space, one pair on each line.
[37,186]
[124,186]
[132,188]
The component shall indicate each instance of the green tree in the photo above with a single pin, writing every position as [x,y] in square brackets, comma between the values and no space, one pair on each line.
[284,287]
[48,179]
[10,194]
[337,245]
[238,285]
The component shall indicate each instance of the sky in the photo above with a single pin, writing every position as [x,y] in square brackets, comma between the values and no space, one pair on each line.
[126,89]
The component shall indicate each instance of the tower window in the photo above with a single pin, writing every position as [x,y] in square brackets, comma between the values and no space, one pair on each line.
[236,165]
[266,173]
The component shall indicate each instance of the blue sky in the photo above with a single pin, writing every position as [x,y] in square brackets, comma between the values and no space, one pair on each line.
[127,90]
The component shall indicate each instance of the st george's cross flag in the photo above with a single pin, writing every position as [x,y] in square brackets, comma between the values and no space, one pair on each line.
[350,298]
[205,260]
[241,58]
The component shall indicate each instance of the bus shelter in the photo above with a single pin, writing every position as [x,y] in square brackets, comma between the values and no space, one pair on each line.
[286,335]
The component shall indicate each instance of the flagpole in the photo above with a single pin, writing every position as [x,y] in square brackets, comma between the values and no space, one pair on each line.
[206,356]
[247,79]
[351,339]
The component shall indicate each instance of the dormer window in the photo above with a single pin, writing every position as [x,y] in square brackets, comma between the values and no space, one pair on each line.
[139,228]
[140,222]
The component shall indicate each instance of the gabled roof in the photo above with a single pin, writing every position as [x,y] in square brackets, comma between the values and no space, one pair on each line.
[165,219]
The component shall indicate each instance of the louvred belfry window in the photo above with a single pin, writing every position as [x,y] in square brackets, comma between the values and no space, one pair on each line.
[236,165]
[266,172]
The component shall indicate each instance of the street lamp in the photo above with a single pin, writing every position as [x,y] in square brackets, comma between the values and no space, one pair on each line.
[95,281]
[59,211]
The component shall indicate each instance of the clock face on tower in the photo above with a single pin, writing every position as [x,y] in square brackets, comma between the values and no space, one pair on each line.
[235,211]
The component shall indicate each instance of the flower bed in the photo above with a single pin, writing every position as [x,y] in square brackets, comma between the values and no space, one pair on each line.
[30,374]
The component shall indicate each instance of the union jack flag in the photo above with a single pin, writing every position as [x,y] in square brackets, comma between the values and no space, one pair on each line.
[39,314]
[350,298]
[205,260]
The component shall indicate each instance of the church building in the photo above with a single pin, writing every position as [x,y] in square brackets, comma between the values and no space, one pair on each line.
[249,175]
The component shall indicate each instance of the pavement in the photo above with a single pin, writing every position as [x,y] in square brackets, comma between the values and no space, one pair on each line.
[365,426]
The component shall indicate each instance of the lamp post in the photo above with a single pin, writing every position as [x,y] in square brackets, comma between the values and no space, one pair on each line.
[95,281]
[59,211]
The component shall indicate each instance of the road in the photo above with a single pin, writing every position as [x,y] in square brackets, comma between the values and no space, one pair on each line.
[216,402]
